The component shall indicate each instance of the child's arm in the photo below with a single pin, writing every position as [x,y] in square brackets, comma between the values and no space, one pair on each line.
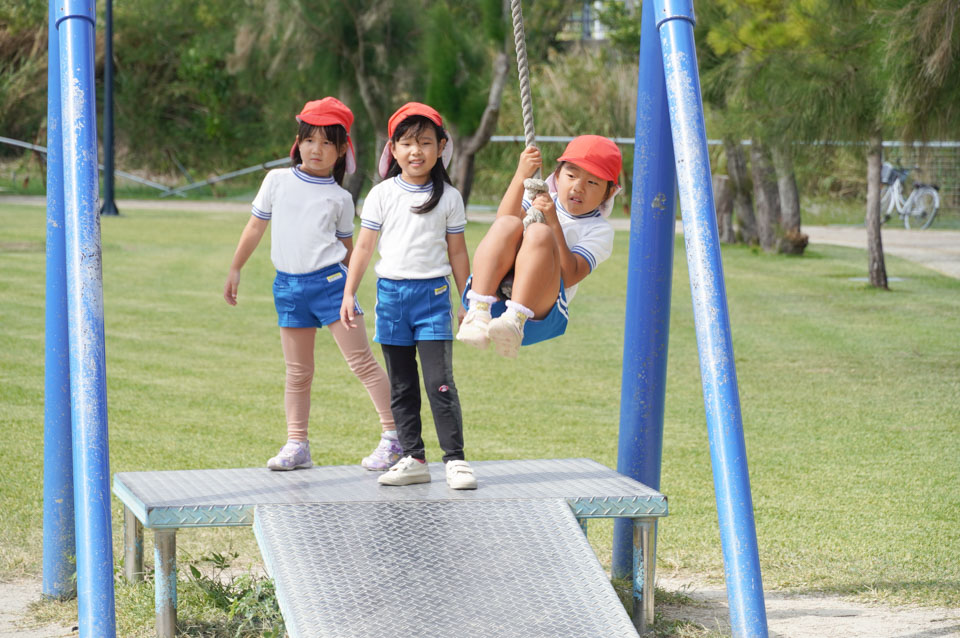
[511,204]
[348,244]
[460,263]
[359,260]
[249,240]
[573,267]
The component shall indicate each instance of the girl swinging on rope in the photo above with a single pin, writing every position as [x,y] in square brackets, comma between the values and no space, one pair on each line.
[548,259]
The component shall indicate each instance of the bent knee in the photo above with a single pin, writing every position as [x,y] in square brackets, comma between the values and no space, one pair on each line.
[506,226]
[539,235]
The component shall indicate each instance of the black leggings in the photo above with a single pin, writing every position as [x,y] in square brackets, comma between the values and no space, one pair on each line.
[437,360]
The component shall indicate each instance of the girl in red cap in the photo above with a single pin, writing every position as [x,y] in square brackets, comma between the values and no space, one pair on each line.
[548,259]
[419,218]
[311,242]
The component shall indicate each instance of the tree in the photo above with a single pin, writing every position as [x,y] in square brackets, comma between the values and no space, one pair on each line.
[459,78]
[23,66]
[922,55]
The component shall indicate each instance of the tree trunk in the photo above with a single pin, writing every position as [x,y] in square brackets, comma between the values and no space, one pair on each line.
[793,241]
[723,196]
[742,203]
[467,148]
[878,270]
[765,195]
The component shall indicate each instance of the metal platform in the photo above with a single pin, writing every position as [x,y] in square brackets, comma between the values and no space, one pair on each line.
[168,500]
[215,498]
[474,569]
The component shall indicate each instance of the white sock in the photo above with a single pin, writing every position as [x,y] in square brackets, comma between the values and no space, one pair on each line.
[519,309]
[390,435]
[474,296]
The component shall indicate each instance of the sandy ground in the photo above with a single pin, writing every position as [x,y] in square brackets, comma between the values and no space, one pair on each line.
[935,249]
[14,621]
[788,616]
[810,616]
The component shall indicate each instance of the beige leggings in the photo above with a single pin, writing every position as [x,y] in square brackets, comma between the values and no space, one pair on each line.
[298,344]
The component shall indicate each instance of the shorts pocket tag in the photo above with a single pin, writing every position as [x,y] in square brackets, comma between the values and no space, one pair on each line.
[335,276]
[439,291]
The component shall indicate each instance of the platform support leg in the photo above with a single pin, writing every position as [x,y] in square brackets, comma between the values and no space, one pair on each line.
[165,581]
[132,547]
[644,569]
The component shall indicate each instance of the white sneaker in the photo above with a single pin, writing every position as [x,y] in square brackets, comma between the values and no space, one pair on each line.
[407,471]
[473,330]
[460,476]
[506,332]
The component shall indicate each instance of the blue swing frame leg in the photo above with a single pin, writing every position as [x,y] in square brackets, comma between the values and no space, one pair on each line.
[675,20]
[88,397]
[649,283]
[59,545]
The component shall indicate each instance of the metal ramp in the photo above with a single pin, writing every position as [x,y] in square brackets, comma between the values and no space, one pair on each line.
[436,569]
[511,550]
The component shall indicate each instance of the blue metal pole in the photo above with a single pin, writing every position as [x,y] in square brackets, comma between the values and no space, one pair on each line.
[58,538]
[91,467]
[649,278]
[718,373]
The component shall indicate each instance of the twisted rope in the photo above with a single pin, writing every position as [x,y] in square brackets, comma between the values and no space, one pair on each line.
[523,70]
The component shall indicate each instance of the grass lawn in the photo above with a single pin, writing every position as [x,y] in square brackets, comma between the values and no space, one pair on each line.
[850,399]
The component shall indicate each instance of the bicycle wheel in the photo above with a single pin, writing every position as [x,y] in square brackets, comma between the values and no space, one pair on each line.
[886,203]
[924,206]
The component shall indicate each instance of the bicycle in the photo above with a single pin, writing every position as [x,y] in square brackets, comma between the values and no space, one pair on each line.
[918,209]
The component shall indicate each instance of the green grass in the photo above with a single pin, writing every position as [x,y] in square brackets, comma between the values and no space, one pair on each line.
[850,400]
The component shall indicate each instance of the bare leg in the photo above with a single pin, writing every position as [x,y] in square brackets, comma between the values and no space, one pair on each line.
[298,355]
[536,279]
[496,254]
[355,348]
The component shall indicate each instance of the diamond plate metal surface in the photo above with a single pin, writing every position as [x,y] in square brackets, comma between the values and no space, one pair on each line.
[465,568]
[190,498]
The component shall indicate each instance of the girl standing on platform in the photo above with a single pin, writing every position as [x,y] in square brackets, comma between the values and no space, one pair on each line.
[311,242]
[548,260]
[419,218]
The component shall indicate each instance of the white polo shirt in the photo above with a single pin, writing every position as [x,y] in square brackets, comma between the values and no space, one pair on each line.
[589,235]
[412,245]
[309,214]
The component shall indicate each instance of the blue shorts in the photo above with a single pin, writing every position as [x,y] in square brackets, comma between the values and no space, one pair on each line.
[412,310]
[534,330]
[310,300]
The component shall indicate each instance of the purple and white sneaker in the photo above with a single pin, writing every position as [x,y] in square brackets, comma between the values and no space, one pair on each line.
[385,456]
[293,455]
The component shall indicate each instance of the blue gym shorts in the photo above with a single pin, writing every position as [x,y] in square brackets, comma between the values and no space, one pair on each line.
[534,330]
[310,300]
[412,310]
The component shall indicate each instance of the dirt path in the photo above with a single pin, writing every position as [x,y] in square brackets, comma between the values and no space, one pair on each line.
[811,616]
[15,597]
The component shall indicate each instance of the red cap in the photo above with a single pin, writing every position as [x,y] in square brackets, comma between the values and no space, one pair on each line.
[595,154]
[410,109]
[326,112]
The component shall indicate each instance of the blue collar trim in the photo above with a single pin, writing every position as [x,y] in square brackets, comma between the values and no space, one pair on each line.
[312,179]
[413,188]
